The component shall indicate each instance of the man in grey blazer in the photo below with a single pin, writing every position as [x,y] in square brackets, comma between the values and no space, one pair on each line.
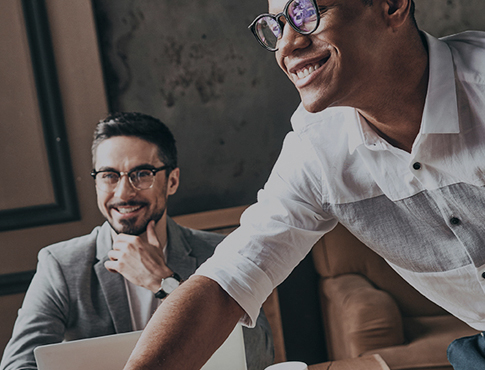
[112,280]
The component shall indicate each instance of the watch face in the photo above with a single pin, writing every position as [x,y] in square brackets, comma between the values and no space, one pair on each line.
[170,284]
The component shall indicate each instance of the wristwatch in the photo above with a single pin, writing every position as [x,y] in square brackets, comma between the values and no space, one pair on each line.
[168,285]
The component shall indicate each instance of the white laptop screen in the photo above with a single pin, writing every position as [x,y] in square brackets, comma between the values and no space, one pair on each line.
[111,352]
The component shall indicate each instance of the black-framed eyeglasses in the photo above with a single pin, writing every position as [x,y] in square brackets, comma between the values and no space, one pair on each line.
[140,178]
[302,15]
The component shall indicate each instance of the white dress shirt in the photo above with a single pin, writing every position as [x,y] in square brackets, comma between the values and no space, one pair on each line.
[424,211]
[142,302]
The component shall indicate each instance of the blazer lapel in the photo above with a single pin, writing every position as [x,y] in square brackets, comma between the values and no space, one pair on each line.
[178,251]
[112,284]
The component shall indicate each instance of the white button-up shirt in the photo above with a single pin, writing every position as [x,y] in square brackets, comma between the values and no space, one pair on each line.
[424,211]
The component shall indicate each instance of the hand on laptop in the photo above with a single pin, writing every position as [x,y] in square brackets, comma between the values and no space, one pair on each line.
[138,260]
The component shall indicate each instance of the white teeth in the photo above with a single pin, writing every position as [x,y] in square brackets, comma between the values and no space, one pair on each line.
[307,71]
[127,209]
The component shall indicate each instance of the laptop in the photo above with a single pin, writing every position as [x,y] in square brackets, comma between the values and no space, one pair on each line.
[111,352]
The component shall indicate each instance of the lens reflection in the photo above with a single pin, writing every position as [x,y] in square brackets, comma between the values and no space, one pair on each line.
[268,31]
[303,15]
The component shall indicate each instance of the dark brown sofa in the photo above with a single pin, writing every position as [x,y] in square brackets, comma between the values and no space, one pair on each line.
[368,308]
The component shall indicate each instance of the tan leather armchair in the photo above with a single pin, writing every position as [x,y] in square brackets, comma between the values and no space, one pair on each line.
[368,308]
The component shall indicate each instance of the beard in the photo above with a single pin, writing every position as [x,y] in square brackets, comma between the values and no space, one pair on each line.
[136,227]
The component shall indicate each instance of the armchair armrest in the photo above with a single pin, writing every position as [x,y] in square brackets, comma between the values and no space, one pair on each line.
[360,317]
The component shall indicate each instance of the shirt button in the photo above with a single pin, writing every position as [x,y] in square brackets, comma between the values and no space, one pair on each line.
[483,275]
[417,165]
[455,221]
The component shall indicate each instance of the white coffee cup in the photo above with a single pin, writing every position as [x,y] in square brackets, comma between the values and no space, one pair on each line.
[289,365]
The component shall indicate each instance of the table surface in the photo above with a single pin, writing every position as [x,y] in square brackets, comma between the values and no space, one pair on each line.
[373,362]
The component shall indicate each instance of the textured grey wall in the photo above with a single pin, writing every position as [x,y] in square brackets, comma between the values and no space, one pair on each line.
[446,17]
[194,65]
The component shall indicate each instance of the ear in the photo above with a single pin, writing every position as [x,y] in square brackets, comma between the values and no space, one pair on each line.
[173,181]
[397,12]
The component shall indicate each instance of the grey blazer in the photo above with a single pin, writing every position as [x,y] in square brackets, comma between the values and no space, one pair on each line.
[73,296]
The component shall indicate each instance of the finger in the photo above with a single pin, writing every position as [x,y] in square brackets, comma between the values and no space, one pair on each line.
[114,255]
[125,244]
[151,234]
[123,239]
[117,243]
[111,266]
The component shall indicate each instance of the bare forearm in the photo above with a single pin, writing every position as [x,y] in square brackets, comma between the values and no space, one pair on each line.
[187,328]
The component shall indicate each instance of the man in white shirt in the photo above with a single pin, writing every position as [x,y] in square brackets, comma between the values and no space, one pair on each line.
[389,141]
[112,280]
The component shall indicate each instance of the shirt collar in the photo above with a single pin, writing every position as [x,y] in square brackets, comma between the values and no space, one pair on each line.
[356,131]
[440,115]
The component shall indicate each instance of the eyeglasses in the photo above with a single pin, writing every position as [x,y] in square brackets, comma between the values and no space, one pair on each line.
[302,15]
[140,179]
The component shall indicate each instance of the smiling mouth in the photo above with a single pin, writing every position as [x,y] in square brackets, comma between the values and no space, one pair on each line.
[125,210]
[309,69]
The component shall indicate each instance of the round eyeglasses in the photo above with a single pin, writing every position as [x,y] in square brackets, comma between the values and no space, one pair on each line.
[302,15]
[140,179]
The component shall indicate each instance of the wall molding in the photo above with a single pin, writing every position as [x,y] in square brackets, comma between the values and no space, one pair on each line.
[65,208]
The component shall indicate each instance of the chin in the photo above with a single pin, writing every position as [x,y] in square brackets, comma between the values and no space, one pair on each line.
[314,106]
[314,101]
[312,109]
[130,227]
[317,102]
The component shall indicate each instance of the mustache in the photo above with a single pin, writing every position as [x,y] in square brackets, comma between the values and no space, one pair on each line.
[127,204]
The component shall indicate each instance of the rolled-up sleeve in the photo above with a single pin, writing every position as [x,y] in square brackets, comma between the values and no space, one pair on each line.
[276,233]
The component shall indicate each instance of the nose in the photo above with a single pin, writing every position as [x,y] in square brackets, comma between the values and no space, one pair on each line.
[124,190]
[291,40]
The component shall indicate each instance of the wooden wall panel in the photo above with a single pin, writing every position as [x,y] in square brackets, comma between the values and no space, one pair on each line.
[24,163]
[45,191]
[81,102]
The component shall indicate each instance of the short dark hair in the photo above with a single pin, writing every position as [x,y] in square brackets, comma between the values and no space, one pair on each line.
[138,125]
